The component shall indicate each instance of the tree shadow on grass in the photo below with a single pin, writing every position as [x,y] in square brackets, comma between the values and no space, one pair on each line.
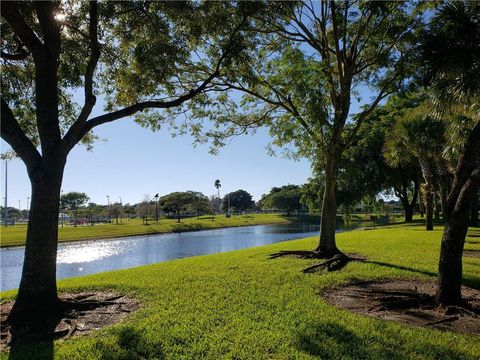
[40,350]
[130,343]
[469,281]
[334,341]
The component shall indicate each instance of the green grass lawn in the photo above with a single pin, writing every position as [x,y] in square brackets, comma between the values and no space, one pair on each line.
[240,305]
[15,235]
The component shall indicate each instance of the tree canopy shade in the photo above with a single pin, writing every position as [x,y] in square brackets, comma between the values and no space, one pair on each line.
[239,200]
[306,62]
[142,55]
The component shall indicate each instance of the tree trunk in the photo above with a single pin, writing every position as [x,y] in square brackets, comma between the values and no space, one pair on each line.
[428,200]
[436,206]
[408,206]
[428,192]
[445,182]
[474,213]
[37,294]
[327,245]
[408,213]
[457,211]
[421,205]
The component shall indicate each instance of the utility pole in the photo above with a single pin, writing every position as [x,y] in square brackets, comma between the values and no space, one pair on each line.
[108,207]
[63,208]
[228,205]
[28,212]
[121,210]
[5,207]
[156,207]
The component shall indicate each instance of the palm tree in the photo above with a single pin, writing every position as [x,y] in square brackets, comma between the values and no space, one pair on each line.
[218,186]
[419,136]
[451,54]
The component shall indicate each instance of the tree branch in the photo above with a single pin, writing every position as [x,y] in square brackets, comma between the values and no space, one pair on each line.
[22,55]
[13,134]
[23,31]
[72,136]
[50,26]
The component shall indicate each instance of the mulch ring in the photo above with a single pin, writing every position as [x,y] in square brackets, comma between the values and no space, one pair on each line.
[472,253]
[81,314]
[409,302]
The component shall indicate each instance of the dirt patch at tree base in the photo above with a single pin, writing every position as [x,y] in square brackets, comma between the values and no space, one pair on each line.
[79,314]
[409,302]
[472,253]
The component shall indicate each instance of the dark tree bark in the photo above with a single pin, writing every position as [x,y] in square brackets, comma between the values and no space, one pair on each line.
[436,206]
[458,208]
[445,183]
[427,191]
[37,295]
[474,213]
[402,193]
[327,246]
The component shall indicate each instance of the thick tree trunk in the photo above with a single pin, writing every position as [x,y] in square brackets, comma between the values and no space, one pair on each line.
[474,213]
[445,183]
[408,206]
[421,205]
[327,245]
[37,294]
[428,203]
[428,193]
[436,206]
[408,213]
[457,212]
[459,207]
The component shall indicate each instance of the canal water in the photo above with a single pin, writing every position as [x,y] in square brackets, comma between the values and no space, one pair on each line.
[89,257]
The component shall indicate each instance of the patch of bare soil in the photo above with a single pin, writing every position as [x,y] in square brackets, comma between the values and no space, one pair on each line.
[472,253]
[78,314]
[408,302]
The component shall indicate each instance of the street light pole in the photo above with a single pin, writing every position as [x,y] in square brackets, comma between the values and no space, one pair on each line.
[5,208]
[121,209]
[63,208]
[108,207]
[28,212]
[156,207]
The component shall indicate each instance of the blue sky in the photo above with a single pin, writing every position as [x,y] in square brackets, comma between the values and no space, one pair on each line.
[129,162]
[133,162]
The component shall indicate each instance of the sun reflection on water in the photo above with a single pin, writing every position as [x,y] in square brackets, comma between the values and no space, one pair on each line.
[88,252]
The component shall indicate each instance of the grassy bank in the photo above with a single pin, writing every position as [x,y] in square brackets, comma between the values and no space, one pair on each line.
[240,305]
[15,235]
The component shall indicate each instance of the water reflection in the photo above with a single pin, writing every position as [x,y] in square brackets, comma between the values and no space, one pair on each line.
[90,257]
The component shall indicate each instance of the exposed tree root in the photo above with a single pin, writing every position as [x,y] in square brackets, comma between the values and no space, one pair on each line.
[335,260]
[301,254]
[73,314]
[410,302]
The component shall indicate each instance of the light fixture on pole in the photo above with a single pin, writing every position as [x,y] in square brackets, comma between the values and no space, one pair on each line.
[156,207]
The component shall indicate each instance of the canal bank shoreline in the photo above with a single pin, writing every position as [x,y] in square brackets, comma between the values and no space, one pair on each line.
[166,227]
[95,256]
